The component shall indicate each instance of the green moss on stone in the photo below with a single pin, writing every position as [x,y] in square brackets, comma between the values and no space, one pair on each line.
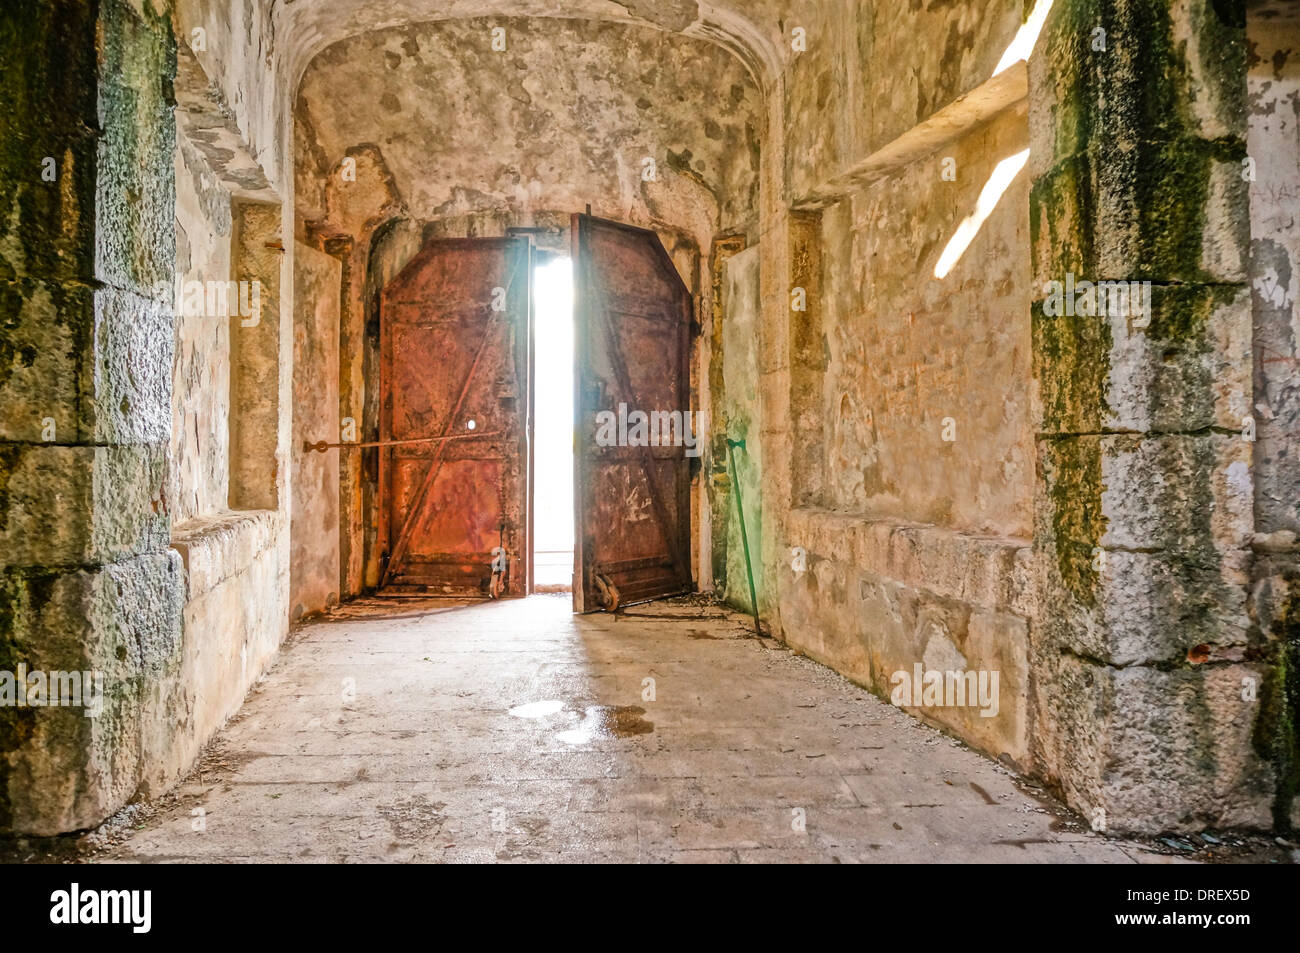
[1170,193]
[1074,485]
[23,594]
[1276,735]
[47,86]
[1072,365]
[1180,314]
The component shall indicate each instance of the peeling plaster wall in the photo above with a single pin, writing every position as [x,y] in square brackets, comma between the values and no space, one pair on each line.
[248,67]
[748,28]
[200,447]
[906,351]
[314,579]
[564,116]
[738,356]
[1273,141]
[1274,145]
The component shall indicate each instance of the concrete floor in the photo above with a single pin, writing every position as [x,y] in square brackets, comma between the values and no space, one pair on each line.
[420,758]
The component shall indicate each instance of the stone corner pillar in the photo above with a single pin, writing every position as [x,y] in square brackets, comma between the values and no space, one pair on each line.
[90,592]
[1147,666]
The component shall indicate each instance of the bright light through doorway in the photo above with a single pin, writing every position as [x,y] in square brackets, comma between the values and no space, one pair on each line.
[553,425]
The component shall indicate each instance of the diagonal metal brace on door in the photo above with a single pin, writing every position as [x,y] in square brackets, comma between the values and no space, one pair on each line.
[414,515]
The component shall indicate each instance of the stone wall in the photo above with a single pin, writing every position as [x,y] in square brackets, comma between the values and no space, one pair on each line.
[122,557]
[915,441]
[1273,99]
[1144,651]
[88,582]
[314,556]
[896,405]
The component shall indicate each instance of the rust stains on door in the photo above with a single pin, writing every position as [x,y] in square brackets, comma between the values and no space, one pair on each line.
[455,379]
[632,497]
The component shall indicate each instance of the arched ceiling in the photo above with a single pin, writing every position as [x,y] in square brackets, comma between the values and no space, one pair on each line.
[748,28]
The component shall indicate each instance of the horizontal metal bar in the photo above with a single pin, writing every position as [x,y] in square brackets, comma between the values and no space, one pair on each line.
[322,446]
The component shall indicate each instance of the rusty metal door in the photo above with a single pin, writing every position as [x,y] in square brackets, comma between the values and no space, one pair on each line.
[454,397]
[632,337]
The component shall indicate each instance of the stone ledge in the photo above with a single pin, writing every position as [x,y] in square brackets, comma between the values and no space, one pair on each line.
[1005,90]
[221,545]
[986,571]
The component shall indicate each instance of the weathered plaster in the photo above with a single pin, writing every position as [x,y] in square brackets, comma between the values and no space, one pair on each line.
[314,555]
[566,115]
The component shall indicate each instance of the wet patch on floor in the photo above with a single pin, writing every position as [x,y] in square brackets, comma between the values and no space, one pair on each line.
[594,722]
[606,721]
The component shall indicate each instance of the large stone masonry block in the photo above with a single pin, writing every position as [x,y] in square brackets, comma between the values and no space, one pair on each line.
[64,506]
[1143,545]
[46,334]
[1146,750]
[135,192]
[48,90]
[1185,494]
[1188,369]
[59,769]
[84,367]
[1128,70]
[1191,369]
[1166,212]
[134,350]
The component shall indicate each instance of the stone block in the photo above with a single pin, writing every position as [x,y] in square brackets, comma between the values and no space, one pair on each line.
[47,228]
[135,186]
[47,335]
[59,769]
[72,505]
[1153,749]
[1191,369]
[1136,69]
[134,350]
[1166,212]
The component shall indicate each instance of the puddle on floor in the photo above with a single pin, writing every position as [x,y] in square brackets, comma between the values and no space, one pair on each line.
[595,722]
[608,721]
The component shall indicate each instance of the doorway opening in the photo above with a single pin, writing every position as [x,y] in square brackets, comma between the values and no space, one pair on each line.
[553,425]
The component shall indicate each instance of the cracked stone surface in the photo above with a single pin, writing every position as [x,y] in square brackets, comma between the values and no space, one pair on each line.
[418,731]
